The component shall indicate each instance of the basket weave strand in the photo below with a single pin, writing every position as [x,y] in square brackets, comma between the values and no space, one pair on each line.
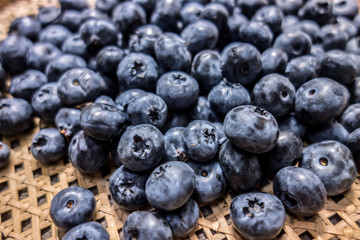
[27,187]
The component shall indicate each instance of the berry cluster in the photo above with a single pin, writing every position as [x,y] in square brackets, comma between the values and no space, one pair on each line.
[189,98]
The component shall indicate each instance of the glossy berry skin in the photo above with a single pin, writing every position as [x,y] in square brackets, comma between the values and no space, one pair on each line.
[71,4]
[251,128]
[200,140]
[61,64]
[332,37]
[174,145]
[138,70]
[26,84]
[320,100]
[289,7]
[54,34]
[144,38]
[275,93]
[348,8]
[294,43]
[105,6]
[93,14]
[183,220]
[26,26]
[15,114]
[127,188]
[13,53]
[49,15]
[256,33]
[102,121]
[79,85]
[48,145]
[353,143]
[225,96]
[106,100]
[141,147]
[220,128]
[122,101]
[72,206]
[328,131]
[333,163]
[302,69]
[179,90]
[319,11]
[172,53]
[257,215]
[216,13]
[166,15]
[349,118]
[206,69]
[87,154]
[339,66]
[201,110]
[71,19]
[75,45]
[89,230]
[176,119]
[235,20]
[271,16]
[191,12]
[98,33]
[287,151]
[241,63]
[250,7]
[200,35]
[4,155]
[210,182]
[128,16]
[108,58]
[273,60]
[40,54]
[170,185]
[67,120]
[293,124]
[300,190]
[241,169]
[309,27]
[145,225]
[147,108]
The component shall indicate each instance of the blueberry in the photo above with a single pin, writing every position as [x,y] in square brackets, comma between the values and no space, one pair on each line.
[75,45]
[202,110]
[106,100]
[147,5]
[170,185]
[256,33]
[206,69]
[250,7]
[333,163]
[67,120]
[144,225]
[87,154]
[200,140]
[73,4]
[309,27]
[127,188]
[233,24]
[346,8]
[302,69]
[102,121]
[49,15]
[105,6]
[93,14]
[128,16]
[353,143]
[271,16]
[108,59]
[317,51]
[166,15]
[123,100]
[331,37]
[98,33]
[328,131]
[191,12]
[4,155]
[48,145]
[286,152]
[61,64]
[320,11]
[289,7]
[174,145]
[176,119]
[353,45]
[15,114]
[241,63]
[349,118]
[54,34]
[320,100]
[172,53]
[220,129]
[300,190]
[89,230]
[71,19]
[147,108]
[200,35]
[294,43]
[346,25]
[257,215]
[72,206]
[293,124]
[26,84]
[241,169]
[225,96]
[210,183]
[289,21]
[26,26]
[79,85]
[183,220]
[273,60]
[141,147]
[13,53]
[178,89]
[338,66]
[138,70]
[144,38]
[40,54]
[251,128]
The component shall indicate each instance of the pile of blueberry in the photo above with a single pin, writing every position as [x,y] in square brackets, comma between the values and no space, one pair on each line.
[189,98]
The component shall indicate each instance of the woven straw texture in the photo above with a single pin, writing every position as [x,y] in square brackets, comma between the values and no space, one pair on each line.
[27,188]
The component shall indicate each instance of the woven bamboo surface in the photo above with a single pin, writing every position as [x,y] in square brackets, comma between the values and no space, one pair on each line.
[27,187]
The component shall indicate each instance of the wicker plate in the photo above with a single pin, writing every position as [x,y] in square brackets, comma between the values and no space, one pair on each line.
[27,187]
